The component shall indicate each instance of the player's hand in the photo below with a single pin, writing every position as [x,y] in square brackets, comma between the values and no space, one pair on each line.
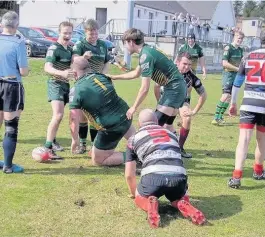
[204,76]
[74,146]
[188,113]
[233,110]
[87,55]
[68,74]
[130,112]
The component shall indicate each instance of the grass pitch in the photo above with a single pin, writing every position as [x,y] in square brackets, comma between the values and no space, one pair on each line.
[73,198]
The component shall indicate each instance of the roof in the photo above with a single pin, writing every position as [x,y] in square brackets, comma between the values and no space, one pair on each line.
[165,6]
[202,9]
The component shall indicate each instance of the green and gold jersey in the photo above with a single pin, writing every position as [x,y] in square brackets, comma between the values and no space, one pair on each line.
[60,57]
[95,94]
[195,52]
[99,51]
[155,64]
[233,55]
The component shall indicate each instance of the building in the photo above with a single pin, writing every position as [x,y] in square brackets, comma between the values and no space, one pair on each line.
[252,26]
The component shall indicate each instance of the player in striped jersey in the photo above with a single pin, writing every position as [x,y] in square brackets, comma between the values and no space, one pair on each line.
[154,65]
[162,172]
[58,61]
[96,52]
[252,112]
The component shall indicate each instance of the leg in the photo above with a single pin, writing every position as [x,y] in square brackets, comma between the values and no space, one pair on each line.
[83,130]
[169,124]
[131,131]
[247,123]
[1,118]
[184,130]
[163,114]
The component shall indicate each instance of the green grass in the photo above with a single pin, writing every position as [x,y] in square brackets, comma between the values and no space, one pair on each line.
[42,201]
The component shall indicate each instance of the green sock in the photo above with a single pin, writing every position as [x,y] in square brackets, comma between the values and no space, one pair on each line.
[218,110]
[48,144]
[124,156]
[224,108]
[82,141]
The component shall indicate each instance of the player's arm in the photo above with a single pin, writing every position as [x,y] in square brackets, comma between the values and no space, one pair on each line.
[202,63]
[202,94]
[157,88]
[22,60]
[239,80]
[127,76]
[130,169]
[226,57]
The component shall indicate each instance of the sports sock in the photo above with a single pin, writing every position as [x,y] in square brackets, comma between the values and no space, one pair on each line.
[54,140]
[48,144]
[258,169]
[223,109]
[237,174]
[183,135]
[83,130]
[93,133]
[218,109]
[141,202]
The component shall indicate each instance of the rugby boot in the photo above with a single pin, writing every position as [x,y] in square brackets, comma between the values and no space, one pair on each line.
[189,211]
[234,183]
[184,154]
[53,155]
[81,149]
[152,212]
[57,147]
[258,176]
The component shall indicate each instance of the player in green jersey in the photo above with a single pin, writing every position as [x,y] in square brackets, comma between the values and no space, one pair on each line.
[58,61]
[95,95]
[232,56]
[196,53]
[96,52]
[154,65]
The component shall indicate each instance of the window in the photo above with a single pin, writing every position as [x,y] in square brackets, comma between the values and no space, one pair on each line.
[253,23]
[166,19]
[139,13]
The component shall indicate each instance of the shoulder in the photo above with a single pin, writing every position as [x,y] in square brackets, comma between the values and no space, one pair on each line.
[198,46]
[53,47]
[227,47]
[182,46]
[101,42]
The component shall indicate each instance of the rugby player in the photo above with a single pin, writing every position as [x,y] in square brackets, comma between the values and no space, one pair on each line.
[154,65]
[95,95]
[196,53]
[13,67]
[58,61]
[184,66]
[96,52]
[252,112]
[162,172]
[232,56]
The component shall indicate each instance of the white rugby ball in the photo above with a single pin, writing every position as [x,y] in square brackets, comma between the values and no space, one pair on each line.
[40,154]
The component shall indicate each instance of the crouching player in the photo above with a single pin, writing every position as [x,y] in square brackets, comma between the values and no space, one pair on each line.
[162,170]
[184,66]
[94,94]
[252,112]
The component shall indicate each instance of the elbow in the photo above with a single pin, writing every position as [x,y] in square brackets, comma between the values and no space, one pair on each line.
[24,72]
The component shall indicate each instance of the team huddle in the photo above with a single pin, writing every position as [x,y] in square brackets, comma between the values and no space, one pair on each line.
[156,146]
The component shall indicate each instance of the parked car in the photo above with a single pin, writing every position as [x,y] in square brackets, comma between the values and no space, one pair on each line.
[80,34]
[36,44]
[49,34]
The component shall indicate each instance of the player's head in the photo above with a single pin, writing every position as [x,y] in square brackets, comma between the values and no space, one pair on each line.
[10,21]
[132,39]
[91,27]
[184,62]
[81,66]
[65,31]
[238,38]
[147,116]
[191,39]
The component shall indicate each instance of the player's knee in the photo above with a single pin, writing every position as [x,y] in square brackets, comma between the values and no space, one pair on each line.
[58,117]
[161,117]
[170,120]
[11,127]
[186,121]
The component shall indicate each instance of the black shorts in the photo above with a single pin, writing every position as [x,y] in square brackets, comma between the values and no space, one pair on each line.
[249,119]
[11,96]
[173,186]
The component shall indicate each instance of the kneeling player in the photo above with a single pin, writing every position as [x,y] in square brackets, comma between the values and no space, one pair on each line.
[252,112]
[162,170]
[94,94]
[184,66]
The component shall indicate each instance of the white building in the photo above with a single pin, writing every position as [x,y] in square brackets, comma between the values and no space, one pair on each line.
[252,26]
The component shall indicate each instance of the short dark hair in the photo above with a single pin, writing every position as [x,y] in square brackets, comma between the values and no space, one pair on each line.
[133,34]
[91,24]
[184,55]
[64,24]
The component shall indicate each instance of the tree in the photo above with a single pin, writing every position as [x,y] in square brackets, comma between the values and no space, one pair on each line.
[250,8]
[238,8]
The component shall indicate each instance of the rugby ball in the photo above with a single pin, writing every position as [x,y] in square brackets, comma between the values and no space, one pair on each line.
[40,154]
